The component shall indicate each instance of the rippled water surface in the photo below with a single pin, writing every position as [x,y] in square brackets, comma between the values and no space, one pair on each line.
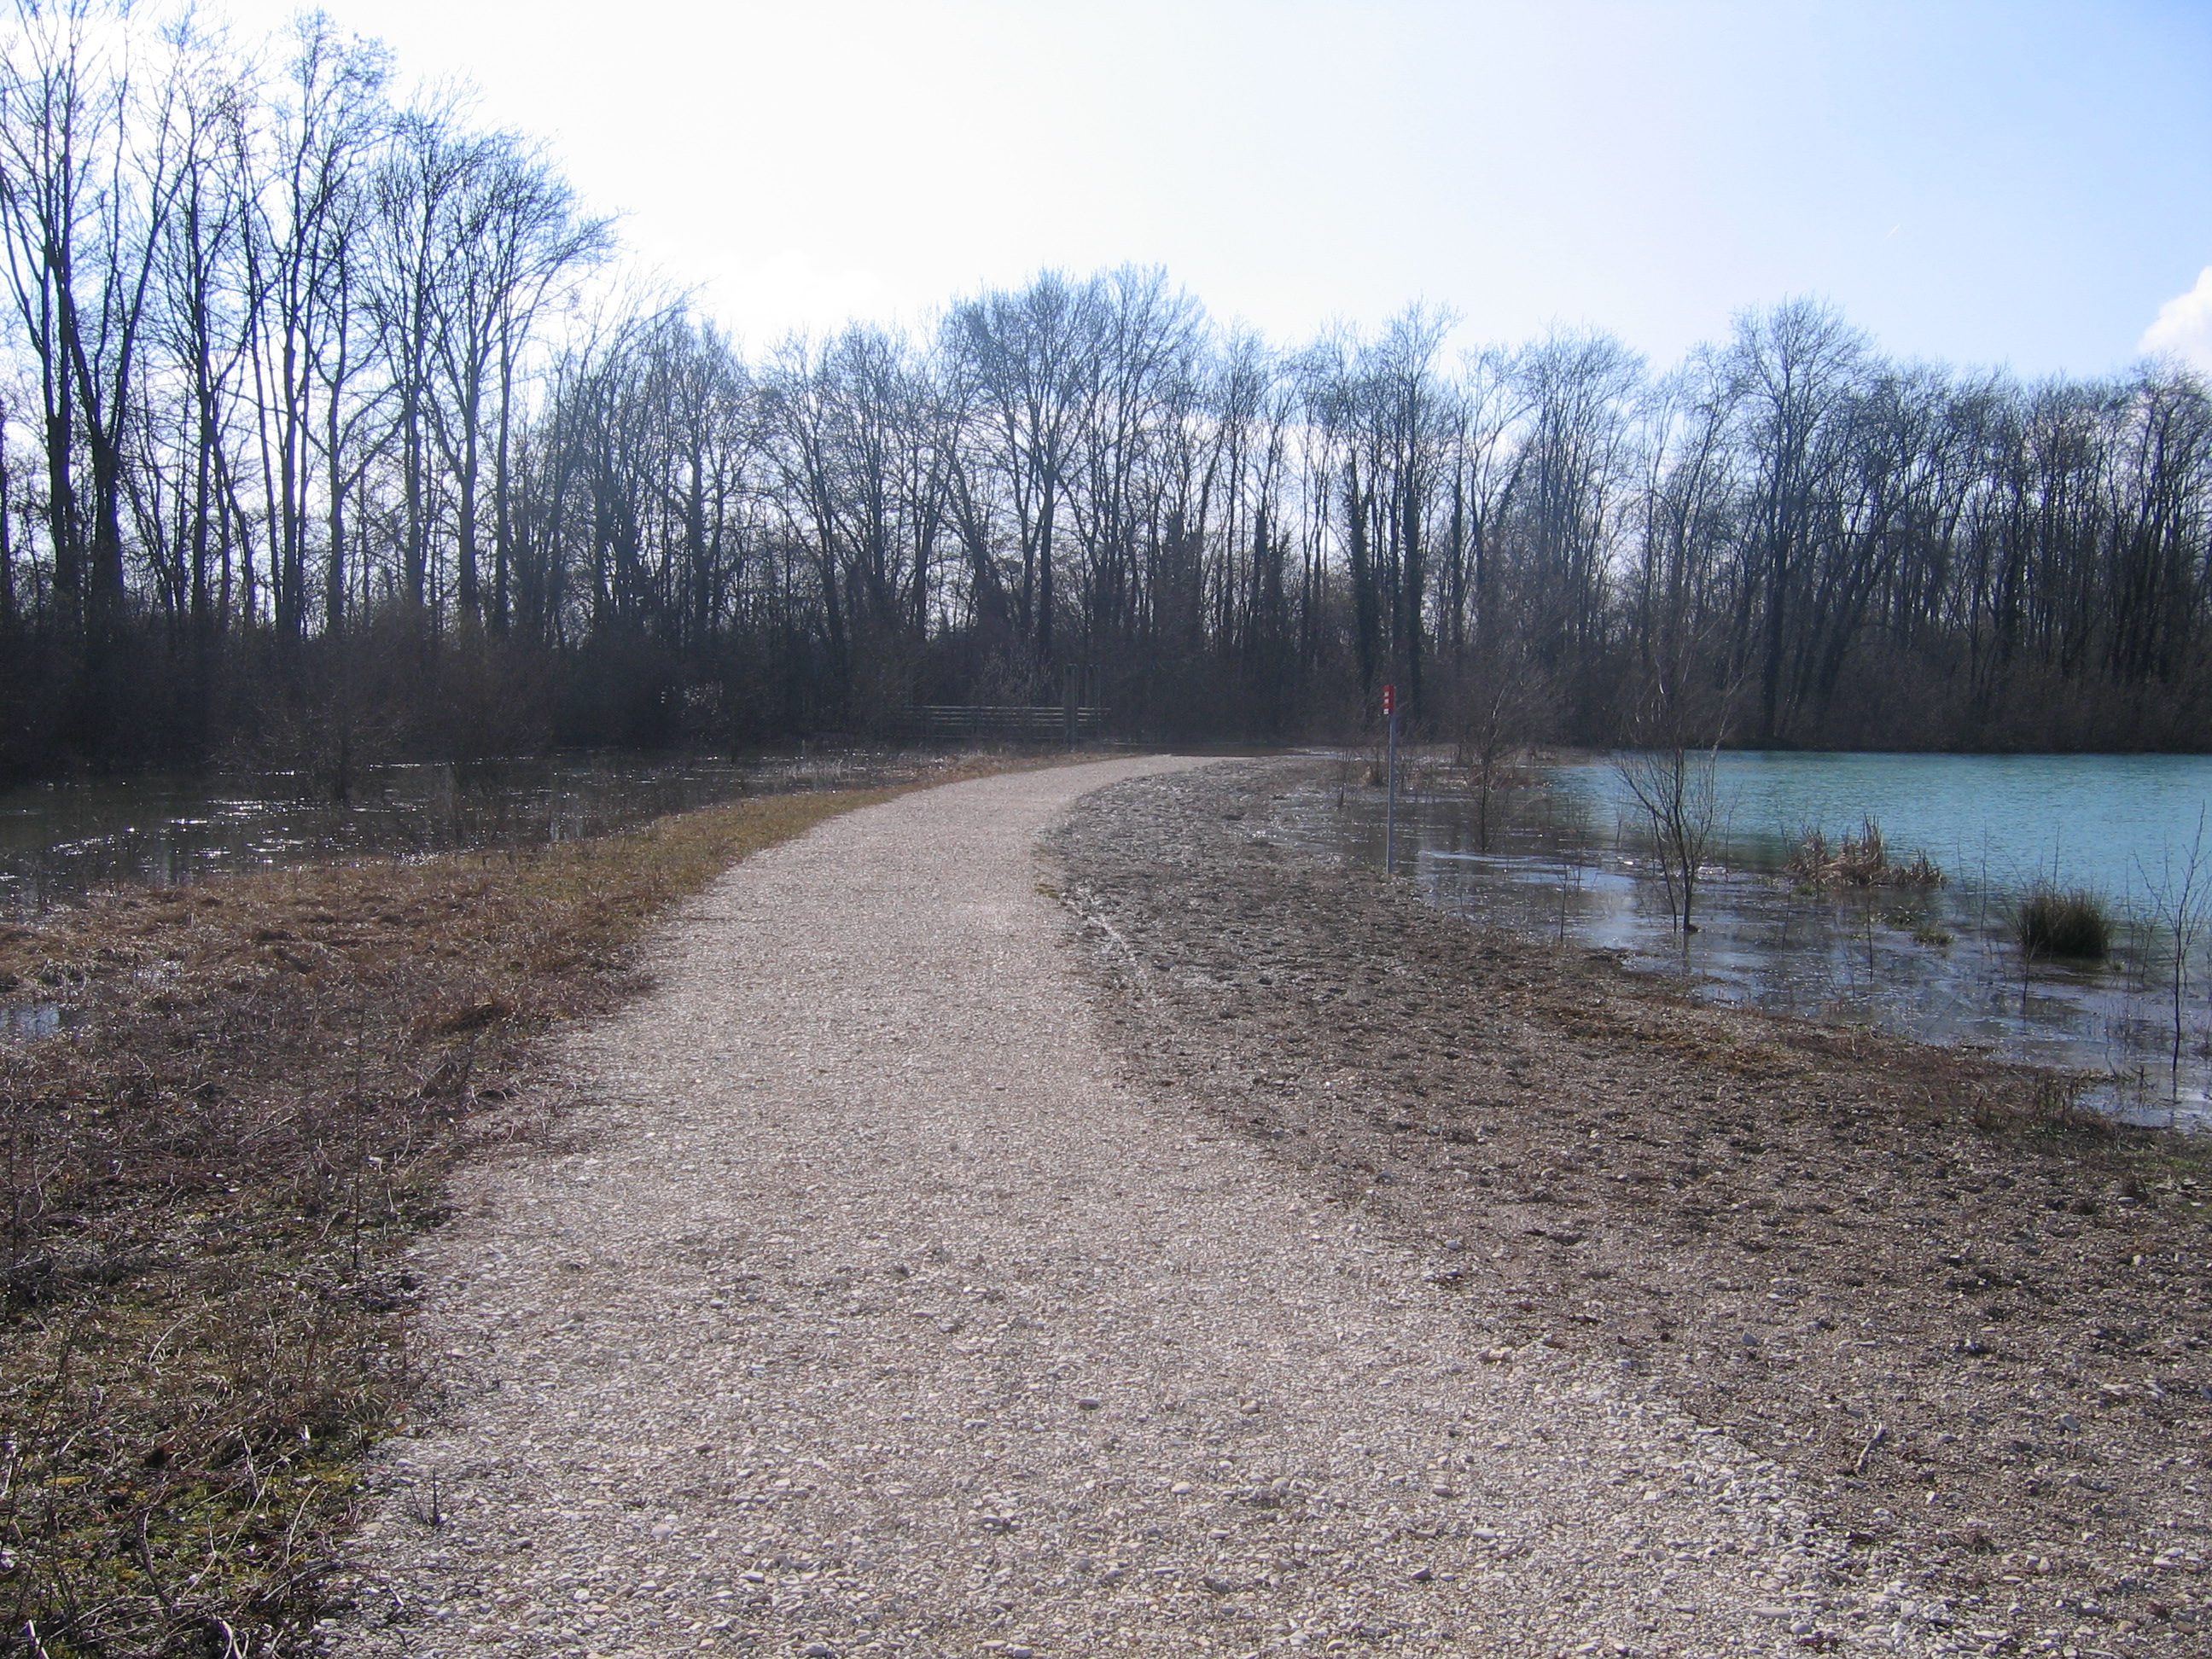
[2111,824]
[1565,860]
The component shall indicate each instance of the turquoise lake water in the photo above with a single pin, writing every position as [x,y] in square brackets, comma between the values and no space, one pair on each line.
[2106,823]
[1567,859]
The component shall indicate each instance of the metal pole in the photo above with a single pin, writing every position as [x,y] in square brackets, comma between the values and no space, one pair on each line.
[1390,814]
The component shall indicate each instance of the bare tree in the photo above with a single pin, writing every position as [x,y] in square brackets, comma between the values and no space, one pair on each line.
[302,248]
[1031,359]
[1672,782]
[2181,902]
[1790,370]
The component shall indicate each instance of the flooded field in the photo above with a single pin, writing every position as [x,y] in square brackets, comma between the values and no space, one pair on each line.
[1565,860]
[59,841]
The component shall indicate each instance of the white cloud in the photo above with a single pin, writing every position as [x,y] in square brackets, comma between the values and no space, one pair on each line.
[2184,328]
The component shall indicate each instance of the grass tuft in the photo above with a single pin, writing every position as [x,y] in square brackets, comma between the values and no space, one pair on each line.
[2076,924]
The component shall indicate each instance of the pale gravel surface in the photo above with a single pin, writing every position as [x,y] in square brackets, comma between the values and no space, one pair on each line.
[872,1312]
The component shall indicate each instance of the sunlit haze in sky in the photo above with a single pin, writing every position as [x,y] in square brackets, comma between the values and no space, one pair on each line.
[2026,184]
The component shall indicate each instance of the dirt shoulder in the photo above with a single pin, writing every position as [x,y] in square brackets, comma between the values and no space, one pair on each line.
[1976,1322]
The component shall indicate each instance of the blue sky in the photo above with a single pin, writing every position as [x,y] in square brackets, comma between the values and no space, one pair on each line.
[2025,184]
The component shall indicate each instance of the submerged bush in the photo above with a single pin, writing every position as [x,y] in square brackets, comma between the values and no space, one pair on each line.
[2072,924]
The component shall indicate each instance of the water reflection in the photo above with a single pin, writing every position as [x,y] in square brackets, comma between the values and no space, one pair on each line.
[59,841]
[38,1019]
[1938,966]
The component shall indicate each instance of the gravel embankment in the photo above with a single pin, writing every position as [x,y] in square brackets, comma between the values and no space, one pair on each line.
[872,1308]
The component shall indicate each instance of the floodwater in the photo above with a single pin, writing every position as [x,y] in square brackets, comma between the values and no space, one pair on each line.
[1566,861]
[2118,825]
[59,841]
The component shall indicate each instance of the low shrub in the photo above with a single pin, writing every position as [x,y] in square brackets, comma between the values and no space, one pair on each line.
[2074,924]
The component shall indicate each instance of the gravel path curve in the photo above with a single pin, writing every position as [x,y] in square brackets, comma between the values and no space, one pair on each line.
[872,1312]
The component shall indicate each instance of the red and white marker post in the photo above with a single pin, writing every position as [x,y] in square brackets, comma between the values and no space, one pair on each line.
[1390,812]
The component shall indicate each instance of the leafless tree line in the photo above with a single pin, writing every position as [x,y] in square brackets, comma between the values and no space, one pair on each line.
[272,332]
[327,417]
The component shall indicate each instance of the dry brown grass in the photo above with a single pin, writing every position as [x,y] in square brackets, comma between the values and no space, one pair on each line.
[210,1175]
[1860,861]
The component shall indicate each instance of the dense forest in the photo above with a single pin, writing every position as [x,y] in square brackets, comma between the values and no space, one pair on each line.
[332,430]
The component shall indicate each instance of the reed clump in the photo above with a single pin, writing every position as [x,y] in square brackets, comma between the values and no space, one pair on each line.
[2074,924]
[1860,860]
[212,1174]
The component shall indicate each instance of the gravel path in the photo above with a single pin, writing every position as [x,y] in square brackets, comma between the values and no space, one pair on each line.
[872,1312]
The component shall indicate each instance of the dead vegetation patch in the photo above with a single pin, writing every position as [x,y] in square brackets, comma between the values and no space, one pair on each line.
[251,1095]
[1860,860]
